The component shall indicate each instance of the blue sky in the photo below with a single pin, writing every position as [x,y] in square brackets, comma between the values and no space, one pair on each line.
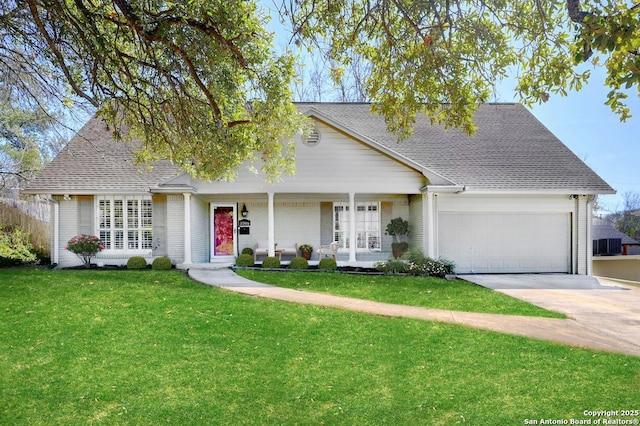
[596,135]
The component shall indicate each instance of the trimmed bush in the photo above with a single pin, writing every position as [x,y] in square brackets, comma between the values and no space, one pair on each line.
[271,262]
[136,262]
[328,264]
[299,263]
[244,260]
[247,250]
[161,264]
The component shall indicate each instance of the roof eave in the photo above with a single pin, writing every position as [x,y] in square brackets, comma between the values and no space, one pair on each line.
[43,191]
[564,191]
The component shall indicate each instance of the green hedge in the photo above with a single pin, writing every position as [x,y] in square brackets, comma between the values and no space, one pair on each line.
[299,263]
[271,262]
[328,264]
[161,264]
[244,260]
[136,262]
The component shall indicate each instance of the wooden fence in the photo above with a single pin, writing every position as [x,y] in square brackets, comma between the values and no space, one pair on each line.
[32,216]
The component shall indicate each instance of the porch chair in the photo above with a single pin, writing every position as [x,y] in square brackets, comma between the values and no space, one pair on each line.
[328,250]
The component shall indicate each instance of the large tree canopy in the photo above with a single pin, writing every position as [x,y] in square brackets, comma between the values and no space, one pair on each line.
[29,136]
[199,81]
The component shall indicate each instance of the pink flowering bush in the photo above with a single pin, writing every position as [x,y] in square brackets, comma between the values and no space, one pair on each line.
[85,247]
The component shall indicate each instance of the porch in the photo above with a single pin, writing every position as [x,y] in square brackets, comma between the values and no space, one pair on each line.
[223,265]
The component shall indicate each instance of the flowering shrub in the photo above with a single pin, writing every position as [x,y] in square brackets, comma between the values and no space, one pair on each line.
[85,247]
[416,263]
[422,265]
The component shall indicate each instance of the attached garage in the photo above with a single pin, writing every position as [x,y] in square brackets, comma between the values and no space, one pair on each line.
[506,242]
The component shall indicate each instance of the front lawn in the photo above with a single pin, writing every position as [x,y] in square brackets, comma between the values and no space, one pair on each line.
[148,348]
[426,292]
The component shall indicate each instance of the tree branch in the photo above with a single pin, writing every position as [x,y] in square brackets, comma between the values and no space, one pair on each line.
[576,15]
[54,49]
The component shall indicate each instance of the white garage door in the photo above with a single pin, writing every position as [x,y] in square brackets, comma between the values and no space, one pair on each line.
[505,242]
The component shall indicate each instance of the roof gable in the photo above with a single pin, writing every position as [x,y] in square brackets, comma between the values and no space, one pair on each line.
[511,151]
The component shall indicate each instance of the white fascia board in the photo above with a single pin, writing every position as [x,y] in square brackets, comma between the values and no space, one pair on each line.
[176,189]
[50,192]
[471,190]
[314,113]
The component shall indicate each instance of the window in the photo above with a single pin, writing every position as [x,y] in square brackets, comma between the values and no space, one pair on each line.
[367,225]
[125,223]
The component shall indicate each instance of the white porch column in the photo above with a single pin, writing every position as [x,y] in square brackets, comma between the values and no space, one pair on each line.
[271,225]
[431,226]
[589,241]
[56,232]
[187,228]
[352,227]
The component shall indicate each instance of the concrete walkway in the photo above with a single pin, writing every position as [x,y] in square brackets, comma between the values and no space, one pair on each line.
[571,332]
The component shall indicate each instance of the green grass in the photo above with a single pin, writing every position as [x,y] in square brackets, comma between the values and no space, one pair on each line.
[426,292]
[151,347]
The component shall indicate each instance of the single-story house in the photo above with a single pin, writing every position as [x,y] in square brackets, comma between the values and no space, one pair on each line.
[512,198]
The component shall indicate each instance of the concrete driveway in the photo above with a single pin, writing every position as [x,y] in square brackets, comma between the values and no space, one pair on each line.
[604,306]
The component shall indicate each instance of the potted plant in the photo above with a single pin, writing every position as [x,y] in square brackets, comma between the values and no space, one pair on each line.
[399,229]
[306,250]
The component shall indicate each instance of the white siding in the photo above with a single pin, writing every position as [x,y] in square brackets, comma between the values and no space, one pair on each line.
[175,228]
[337,164]
[297,220]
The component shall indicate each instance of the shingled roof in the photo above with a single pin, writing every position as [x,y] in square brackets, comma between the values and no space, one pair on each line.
[601,230]
[511,151]
[93,163]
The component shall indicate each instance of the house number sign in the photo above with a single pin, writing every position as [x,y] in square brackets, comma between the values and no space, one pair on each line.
[244,225]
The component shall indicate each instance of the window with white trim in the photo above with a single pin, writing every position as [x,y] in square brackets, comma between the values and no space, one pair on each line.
[125,223]
[367,225]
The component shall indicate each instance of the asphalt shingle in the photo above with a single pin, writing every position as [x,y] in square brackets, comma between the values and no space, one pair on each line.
[92,163]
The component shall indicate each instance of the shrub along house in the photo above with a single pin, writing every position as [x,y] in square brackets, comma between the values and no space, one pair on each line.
[512,198]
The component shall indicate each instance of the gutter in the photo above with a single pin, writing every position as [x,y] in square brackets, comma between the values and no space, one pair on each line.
[444,189]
